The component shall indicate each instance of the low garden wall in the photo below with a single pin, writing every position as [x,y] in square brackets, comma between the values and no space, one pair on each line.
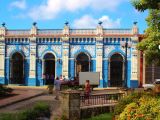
[75,106]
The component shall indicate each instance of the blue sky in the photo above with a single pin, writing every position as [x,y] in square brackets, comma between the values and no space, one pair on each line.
[51,14]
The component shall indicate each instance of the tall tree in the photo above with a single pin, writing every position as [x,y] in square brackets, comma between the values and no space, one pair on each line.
[150,44]
[142,5]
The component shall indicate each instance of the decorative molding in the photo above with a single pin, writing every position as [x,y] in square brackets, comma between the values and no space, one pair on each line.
[23,48]
[128,51]
[108,49]
[90,49]
[74,49]
[41,49]
[57,49]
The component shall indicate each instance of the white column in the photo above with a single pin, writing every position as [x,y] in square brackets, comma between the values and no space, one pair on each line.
[2,57]
[32,71]
[2,49]
[65,56]
[134,59]
[99,55]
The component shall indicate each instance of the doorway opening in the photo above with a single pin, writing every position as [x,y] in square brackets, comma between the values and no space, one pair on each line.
[49,69]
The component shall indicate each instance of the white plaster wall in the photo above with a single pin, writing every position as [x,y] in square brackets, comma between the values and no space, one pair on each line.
[2,58]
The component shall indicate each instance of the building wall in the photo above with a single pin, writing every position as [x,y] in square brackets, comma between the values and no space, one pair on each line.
[99,46]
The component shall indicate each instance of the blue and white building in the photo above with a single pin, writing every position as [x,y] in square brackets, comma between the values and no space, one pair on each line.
[26,56]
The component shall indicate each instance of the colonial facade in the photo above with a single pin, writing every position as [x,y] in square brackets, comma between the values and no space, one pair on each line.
[29,56]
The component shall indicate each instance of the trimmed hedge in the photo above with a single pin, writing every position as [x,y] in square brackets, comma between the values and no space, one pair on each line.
[40,109]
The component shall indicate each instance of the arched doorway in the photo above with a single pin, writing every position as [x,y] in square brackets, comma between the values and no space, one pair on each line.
[116,70]
[17,69]
[49,68]
[82,63]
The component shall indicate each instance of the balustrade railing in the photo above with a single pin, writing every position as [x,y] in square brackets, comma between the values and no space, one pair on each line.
[18,32]
[72,31]
[100,99]
[82,31]
[117,31]
[50,31]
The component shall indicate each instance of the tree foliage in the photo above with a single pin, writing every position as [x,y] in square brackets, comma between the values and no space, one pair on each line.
[150,44]
[142,5]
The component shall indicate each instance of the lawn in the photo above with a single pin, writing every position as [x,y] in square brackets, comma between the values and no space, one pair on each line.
[106,116]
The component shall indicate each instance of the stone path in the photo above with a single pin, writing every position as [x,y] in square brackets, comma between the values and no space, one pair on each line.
[26,98]
[20,95]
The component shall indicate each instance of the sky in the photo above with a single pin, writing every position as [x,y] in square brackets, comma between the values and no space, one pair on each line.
[52,14]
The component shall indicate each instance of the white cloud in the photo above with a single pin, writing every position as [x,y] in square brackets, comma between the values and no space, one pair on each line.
[88,21]
[109,23]
[51,8]
[20,4]
[85,21]
[110,5]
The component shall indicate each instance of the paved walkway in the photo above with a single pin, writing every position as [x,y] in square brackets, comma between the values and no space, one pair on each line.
[27,97]
[20,95]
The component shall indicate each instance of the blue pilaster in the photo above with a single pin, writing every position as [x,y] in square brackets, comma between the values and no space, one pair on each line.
[7,71]
[59,68]
[2,81]
[28,81]
[39,80]
[71,68]
[129,74]
[93,66]
[105,73]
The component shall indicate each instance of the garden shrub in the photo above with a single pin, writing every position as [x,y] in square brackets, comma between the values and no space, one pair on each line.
[133,97]
[146,107]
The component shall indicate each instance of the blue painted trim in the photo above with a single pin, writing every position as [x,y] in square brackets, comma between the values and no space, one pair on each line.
[133,83]
[26,71]
[58,68]
[7,71]
[71,68]
[105,73]
[101,84]
[93,66]
[2,81]
[39,81]
[31,82]
[129,74]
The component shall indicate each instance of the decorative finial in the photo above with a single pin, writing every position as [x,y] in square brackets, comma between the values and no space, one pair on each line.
[34,23]
[135,22]
[3,24]
[100,22]
[66,23]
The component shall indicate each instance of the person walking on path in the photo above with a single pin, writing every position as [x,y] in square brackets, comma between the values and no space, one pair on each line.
[57,85]
[87,91]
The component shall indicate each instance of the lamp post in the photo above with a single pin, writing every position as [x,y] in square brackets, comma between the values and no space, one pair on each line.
[126,45]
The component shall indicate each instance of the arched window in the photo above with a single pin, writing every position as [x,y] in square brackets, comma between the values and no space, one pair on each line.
[82,63]
[116,70]
[49,68]
[17,69]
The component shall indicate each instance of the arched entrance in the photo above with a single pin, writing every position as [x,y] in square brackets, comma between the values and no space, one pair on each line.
[116,70]
[17,69]
[49,68]
[82,63]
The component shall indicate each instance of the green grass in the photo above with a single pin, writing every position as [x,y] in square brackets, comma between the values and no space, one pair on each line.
[106,116]
[40,109]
